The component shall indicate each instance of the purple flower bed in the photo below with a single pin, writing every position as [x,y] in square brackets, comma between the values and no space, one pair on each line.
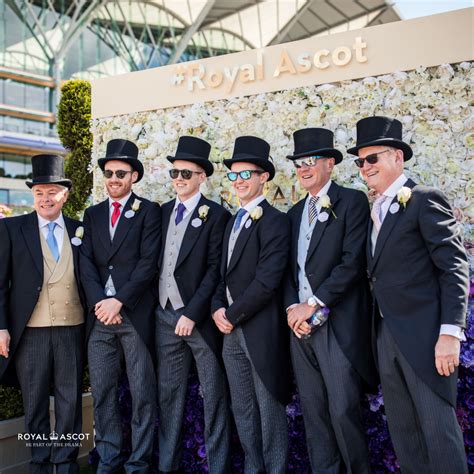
[382,456]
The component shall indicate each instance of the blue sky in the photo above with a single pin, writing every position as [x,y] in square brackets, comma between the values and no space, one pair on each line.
[415,8]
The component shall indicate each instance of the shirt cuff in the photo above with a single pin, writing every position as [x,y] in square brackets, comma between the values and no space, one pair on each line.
[452,330]
[319,301]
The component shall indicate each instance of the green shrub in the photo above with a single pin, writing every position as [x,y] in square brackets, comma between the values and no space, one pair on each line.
[11,405]
[74,115]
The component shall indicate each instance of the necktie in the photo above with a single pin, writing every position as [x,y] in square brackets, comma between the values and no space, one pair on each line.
[240,214]
[376,213]
[51,240]
[116,213]
[312,208]
[180,213]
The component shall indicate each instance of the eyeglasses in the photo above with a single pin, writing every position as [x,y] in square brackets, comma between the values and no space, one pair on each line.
[245,174]
[371,159]
[119,173]
[308,161]
[186,174]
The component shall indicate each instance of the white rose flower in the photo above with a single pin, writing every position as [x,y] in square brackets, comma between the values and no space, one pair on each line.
[79,232]
[403,195]
[256,213]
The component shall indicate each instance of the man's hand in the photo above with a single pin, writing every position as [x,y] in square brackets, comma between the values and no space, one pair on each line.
[184,326]
[108,311]
[297,316]
[447,354]
[222,322]
[4,342]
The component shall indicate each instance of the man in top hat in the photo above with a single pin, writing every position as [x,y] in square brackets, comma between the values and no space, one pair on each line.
[419,277]
[189,263]
[328,270]
[248,310]
[41,315]
[118,263]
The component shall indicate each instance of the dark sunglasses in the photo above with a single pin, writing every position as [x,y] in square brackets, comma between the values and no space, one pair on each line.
[119,173]
[186,174]
[371,159]
[309,161]
[245,174]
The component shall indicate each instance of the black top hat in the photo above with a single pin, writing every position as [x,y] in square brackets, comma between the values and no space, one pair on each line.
[195,150]
[254,150]
[374,131]
[123,150]
[48,169]
[315,141]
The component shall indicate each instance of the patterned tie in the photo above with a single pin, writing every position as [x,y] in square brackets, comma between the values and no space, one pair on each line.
[240,214]
[116,213]
[312,208]
[51,240]
[180,213]
[376,213]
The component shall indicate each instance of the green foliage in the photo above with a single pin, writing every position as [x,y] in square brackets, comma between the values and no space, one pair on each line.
[74,115]
[11,405]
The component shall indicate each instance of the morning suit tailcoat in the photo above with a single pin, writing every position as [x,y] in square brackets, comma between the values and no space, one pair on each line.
[21,274]
[336,270]
[131,260]
[197,271]
[419,277]
[253,277]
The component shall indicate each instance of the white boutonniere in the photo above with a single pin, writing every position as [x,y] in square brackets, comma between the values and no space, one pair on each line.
[135,208]
[327,206]
[79,234]
[203,211]
[256,214]
[403,196]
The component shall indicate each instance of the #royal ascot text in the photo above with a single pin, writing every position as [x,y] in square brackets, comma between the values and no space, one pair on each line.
[195,74]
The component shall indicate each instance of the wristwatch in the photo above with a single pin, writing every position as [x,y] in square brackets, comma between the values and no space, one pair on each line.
[312,301]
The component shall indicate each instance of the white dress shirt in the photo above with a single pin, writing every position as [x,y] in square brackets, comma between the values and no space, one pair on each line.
[190,204]
[58,230]
[123,202]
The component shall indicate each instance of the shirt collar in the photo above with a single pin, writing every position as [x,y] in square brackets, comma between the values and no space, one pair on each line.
[392,190]
[323,191]
[249,207]
[190,204]
[122,201]
[43,222]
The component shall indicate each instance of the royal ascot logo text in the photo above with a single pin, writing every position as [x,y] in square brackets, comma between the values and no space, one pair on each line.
[53,439]
[196,75]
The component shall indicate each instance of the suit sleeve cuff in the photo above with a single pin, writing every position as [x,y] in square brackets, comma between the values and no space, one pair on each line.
[452,330]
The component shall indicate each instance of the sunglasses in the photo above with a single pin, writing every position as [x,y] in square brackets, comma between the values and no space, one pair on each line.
[308,161]
[119,173]
[371,159]
[186,174]
[246,174]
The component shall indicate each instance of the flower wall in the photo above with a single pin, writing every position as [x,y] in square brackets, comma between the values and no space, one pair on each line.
[435,106]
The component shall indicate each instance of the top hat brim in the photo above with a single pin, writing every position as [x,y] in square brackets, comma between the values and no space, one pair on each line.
[49,180]
[263,163]
[133,162]
[393,142]
[326,152]
[204,163]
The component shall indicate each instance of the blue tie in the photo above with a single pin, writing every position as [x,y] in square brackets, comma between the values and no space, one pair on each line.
[180,213]
[51,240]
[240,214]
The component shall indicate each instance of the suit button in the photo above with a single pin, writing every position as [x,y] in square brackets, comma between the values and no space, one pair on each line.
[177,278]
[50,286]
[374,279]
[111,267]
[67,302]
[68,286]
[242,315]
[52,302]
[39,288]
